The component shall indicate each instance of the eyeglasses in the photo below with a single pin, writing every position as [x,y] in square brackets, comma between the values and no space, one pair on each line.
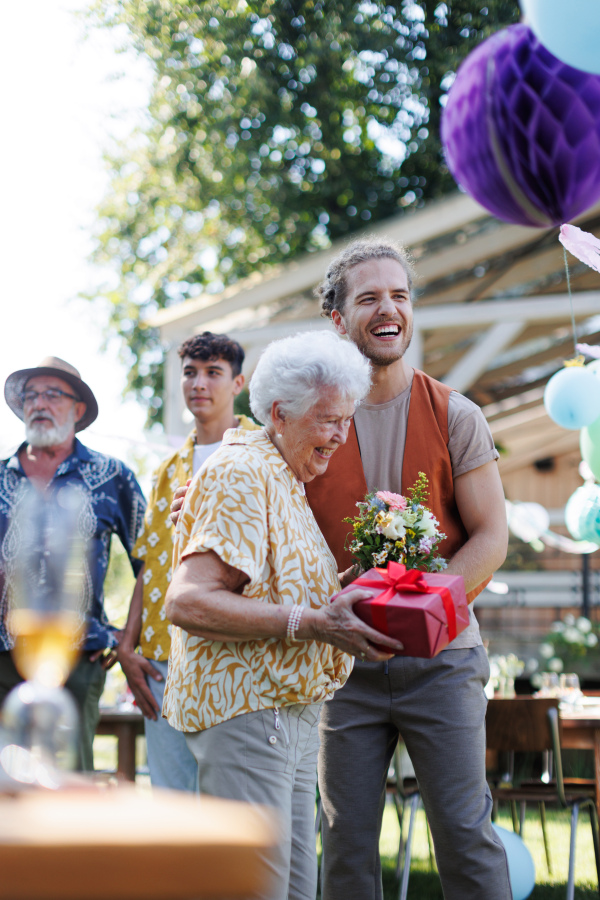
[52,395]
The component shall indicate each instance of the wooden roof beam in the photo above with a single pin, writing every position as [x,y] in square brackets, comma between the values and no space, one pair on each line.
[476,360]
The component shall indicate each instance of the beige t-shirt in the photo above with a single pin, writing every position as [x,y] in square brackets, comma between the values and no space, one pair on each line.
[381,432]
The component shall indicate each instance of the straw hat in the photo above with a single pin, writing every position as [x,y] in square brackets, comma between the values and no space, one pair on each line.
[51,365]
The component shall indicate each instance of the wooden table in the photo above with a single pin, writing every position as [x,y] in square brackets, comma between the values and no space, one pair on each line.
[126,725]
[580,730]
[93,843]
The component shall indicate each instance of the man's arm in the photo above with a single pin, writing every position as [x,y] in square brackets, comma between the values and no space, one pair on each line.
[135,667]
[480,500]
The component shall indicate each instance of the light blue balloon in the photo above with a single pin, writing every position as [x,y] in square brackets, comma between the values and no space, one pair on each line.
[520,863]
[572,397]
[582,513]
[569,31]
[589,444]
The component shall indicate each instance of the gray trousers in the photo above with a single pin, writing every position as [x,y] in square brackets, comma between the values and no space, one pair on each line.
[438,706]
[271,760]
[170,763]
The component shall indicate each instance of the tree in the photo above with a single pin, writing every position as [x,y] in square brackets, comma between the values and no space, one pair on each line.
[274,127]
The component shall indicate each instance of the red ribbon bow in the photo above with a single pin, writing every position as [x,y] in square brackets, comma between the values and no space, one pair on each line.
[402,580]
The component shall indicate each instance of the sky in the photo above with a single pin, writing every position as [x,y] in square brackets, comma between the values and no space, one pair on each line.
[61,101]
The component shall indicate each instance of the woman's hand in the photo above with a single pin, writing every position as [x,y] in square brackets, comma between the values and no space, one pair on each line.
[177,502]
[338,625]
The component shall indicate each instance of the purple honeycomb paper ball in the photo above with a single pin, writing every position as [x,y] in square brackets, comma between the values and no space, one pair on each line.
[521,131]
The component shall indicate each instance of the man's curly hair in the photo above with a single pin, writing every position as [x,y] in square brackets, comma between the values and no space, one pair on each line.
[333,289]
[208,346]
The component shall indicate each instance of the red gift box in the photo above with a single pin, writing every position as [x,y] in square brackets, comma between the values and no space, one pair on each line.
[424,610]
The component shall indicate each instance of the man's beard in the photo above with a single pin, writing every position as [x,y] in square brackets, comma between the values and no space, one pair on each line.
[383,359]
[38,435]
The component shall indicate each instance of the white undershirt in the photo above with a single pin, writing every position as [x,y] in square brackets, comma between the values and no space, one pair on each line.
[202,452]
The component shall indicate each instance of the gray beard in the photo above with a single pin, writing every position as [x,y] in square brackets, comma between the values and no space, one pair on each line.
[39,436]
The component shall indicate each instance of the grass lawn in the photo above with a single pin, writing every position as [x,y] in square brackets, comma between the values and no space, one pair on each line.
[424,883]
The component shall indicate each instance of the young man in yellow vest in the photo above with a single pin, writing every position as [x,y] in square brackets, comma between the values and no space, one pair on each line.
[409,423]
[211,366]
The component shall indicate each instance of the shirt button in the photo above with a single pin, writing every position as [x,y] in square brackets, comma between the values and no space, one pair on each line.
[272,739]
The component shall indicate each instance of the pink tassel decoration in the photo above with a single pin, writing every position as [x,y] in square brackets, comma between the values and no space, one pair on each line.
[581,244]
[591,350]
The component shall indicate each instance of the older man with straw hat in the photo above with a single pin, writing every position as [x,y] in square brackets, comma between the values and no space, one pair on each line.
[55,403]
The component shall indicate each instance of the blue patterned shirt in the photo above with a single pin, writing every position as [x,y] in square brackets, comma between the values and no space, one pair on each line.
[113,503]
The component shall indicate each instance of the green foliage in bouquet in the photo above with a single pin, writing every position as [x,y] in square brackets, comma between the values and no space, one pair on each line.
[396,528]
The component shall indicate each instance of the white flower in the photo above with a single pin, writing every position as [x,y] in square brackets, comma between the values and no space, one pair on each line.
[555,664]
[147,576]
[428,524]
[155,595]
[171,470]
[380,558]
[591,640]
[169,575]
[558,627]
[162,614]
[391,525]
[569,620]
[162,504]
[149,632]
[584,624]
[158,652]
[409,517]
[546,650]
[144,615]
[573,636]
[163,557]
[153,539]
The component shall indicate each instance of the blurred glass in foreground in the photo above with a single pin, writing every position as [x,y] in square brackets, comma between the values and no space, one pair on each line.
[46,621]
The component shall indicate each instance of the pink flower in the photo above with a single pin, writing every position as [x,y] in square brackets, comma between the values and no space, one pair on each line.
[394,501]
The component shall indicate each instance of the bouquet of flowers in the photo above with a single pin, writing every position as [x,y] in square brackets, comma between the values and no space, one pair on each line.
[394,528]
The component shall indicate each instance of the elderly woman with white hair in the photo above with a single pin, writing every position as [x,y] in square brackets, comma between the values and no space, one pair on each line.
[257,646]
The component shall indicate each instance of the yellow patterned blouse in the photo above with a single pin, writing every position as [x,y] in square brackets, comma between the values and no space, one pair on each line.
[247,506]
[154,545]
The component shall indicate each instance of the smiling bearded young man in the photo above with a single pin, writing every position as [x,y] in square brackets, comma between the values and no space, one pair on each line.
[55,404]
[409,423]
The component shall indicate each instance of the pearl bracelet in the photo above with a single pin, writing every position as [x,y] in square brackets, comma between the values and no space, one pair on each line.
[293,622]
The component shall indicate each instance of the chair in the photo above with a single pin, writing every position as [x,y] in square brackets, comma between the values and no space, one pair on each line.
[405,792]
[531,725]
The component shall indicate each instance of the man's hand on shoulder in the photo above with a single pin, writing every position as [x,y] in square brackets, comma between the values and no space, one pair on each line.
[177,502]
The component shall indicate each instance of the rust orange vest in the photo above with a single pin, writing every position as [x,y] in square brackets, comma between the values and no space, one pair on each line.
[333,496]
